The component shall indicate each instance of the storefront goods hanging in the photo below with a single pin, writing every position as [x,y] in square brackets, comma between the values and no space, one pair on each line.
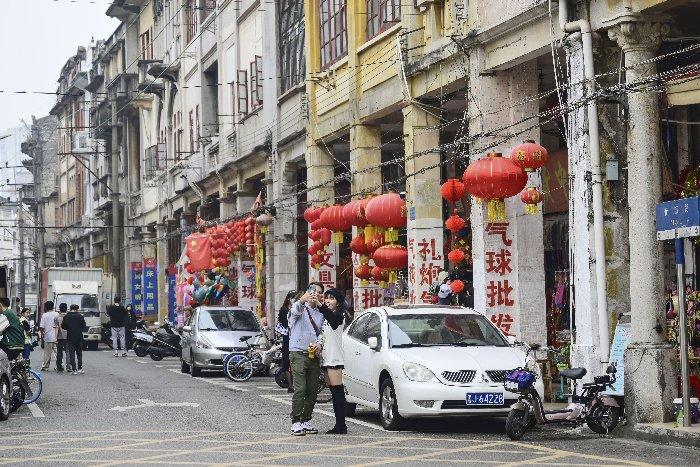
[455,223]
[456,256]
[387,211]
[494,178]
[531,197]
[529,156]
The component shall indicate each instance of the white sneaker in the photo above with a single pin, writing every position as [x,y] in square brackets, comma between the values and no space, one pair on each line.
[297,429]
[81,371]
[116,354]
[309,428]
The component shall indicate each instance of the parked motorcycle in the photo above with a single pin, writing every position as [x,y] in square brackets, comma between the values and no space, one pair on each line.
[599,411]
[106,335]
[165,342]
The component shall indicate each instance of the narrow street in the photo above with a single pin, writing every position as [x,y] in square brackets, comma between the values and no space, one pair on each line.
[133,411]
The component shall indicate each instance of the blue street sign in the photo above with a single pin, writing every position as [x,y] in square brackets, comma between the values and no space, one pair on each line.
[678,219]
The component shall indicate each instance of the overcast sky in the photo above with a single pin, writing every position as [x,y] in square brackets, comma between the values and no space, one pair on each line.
[36,39]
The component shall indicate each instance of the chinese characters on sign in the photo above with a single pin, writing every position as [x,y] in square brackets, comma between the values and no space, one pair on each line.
[172,283]
[425,262]
[150,286]
[246,286]
[136,288]
[500,293]
[365,296]
[326,272]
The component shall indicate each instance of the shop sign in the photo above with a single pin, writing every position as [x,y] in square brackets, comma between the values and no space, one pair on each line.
[679,218]
[150,286]
[136,288]
[500,284]
[326,272]
[246,286]
[172,283]
[365,296]
[425,261]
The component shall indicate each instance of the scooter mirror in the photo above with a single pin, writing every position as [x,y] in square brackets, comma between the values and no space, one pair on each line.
[611,369]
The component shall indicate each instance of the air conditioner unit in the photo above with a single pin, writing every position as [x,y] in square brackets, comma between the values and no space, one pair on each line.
[81,141]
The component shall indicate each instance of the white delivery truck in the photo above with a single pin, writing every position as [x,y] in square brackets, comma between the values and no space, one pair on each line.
[77,286]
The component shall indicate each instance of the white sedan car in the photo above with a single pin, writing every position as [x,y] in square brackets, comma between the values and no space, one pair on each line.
[426,361]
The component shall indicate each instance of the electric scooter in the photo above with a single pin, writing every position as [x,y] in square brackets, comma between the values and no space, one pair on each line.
[599,411]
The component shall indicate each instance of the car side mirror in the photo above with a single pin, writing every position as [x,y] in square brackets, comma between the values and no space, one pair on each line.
[511,340]
[373,343]
[187,328]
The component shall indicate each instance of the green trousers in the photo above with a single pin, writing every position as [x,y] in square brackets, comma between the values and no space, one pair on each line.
[305,374]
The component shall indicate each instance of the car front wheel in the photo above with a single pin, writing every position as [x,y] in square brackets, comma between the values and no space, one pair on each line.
[388,407]
[194,371]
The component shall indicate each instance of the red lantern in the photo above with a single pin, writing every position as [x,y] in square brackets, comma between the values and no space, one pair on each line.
[319,246]
[452,190]
[455,223]
[494,178]
[361,217]
[363,272]
[312,250]
[531,197]
[312,214]
[374,242]
[387,211]
[316,259]
[380,275]
[324,236]
[529,156]
[251,250]
[316,225]
[358,245]
[457,286]
[391,258]
[456,256]
[332,218]
[225,262]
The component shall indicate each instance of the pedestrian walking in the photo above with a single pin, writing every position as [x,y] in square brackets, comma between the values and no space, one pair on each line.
[11,331]
[118,319]
[24,320]
[61,342]
[74,324]
[333,358]
[47,328]
[282,328]
[305,323]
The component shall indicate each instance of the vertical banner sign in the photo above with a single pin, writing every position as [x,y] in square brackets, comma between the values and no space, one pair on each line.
[136,291]
[246,286]
[425,261]
[150,286]
[501,295]
[364,296]
[172,283]
[326,272]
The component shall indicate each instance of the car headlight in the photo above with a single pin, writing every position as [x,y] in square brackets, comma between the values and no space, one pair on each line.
[416,372]
[95,330]
[202,343]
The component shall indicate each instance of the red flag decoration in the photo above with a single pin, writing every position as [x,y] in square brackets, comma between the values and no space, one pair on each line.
[199,251]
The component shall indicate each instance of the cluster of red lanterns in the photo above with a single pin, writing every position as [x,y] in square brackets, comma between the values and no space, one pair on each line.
[452,191]
[495,178]
[320,236]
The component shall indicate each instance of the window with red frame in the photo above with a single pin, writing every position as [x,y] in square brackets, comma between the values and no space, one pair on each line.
[334,30]
[190,20]
[381,15]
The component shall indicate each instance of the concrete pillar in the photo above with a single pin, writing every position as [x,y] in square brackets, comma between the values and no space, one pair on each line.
[365,143]
[163,283]
[650,383]
[508,256]
[423,201]
[283,237]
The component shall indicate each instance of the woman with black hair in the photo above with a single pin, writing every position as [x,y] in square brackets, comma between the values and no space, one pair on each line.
[334,313]
[283,328]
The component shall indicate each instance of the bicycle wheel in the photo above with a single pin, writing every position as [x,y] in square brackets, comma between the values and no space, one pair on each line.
[35,386]
[238,368]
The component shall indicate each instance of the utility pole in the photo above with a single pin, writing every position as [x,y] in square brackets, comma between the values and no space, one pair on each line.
[22,278]
[114,174]
[37,151]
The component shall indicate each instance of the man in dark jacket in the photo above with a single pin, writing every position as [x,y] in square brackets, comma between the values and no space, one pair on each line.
[118,319]
[74,324]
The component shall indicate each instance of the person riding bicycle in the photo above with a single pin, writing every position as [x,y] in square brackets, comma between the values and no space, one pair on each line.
[12,340]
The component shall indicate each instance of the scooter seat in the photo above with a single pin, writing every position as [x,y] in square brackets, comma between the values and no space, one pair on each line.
[573,373]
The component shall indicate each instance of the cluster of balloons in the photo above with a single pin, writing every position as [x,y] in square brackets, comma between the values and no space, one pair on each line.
[206,288]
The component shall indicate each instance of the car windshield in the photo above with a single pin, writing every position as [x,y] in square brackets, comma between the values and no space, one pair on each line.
[438,329]
[227,320]
[88,303]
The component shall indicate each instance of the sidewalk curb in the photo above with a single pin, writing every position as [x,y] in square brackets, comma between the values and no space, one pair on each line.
[659,434]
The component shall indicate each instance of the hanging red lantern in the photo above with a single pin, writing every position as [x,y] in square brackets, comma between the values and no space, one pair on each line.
[391,258]
[316,259]
[456,256]
[312,214]
[494,178]
[332,218]
[316,225]
[324,236]
[452,190]
[358,245]
[387,211]
[361,216]
[225,262]
[374,242]
[319,246]
[455,223]
[457,286]
[529,156]
[251,250]
[312,250]
[531,197]
[380,275]
[363,272]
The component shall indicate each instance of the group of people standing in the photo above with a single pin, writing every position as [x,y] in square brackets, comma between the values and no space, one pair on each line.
[62,333]
[314,322]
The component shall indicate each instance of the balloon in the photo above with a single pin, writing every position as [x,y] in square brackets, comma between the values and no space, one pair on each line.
[190,280]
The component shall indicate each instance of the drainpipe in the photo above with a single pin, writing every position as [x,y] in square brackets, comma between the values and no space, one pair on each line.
[584,28]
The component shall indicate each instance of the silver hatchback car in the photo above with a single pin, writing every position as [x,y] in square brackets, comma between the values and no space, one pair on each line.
[5,386]
[211,333]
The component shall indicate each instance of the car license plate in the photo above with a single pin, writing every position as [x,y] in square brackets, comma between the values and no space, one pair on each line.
[484,398]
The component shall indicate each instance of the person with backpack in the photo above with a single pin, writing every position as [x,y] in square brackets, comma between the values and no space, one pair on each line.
[74,324]
[11,331]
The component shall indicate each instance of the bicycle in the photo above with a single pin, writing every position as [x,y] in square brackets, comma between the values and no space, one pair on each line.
[240,367]
[26,384]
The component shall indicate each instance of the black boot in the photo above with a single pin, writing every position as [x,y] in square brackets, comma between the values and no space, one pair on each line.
[338,393]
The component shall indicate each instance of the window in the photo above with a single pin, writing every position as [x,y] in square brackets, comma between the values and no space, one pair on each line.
[191,132]
[154,159]
[242,92]
[291,43]
[146,45]
[256,83]
[374,328]
[381,15]
[359,327]
[334,30]
[190,20]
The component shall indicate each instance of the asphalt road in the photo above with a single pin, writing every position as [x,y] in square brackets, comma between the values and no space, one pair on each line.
[133,411]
